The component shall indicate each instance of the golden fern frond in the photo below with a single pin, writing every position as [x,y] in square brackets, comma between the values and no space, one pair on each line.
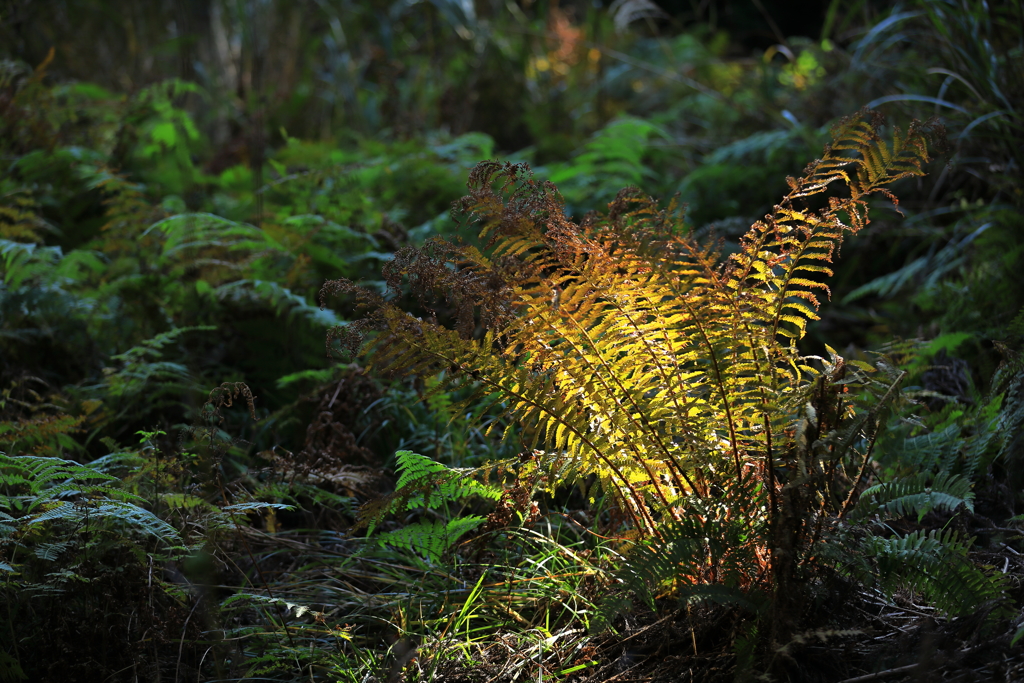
[784,254]
[623,346]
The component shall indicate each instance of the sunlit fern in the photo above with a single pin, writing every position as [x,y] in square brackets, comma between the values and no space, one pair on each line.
[625,346]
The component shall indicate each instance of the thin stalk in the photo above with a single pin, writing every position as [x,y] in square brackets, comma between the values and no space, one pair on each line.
[871,446]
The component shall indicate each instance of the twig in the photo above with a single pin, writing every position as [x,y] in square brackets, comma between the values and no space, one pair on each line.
[882,674]
[335,397]
[647,628]
[909,667]
[184,630]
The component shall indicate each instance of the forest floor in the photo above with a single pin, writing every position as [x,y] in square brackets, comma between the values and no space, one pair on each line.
[847,633]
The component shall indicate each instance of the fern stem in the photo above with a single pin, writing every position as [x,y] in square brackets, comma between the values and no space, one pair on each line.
[721,390]
[770,465]
[871,446]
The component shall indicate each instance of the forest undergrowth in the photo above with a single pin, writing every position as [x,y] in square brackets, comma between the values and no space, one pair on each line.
[713,373]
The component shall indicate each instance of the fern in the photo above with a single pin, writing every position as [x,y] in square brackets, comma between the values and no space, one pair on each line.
[934,451]
[629,352]
[452,484]
[24,262]
[431,539]
[44,435]
[19,214]
[964,439]
[214,248]
[613,158]
[280,299]
[710,553]
[423,483]
[426,484]
[924,273]
[143,364]
[45,485]
[255,506]
[1010,423]
[934,563]
[917,495]
[40,494]
[115,510]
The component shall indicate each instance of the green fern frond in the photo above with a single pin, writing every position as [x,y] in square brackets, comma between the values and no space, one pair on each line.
[281,300]
[47,479]
[916,495]
[453,485]
[24,263]
[255,506]
[151,349]
[426,484]
[931,452]
[117,511]
[432,539]
[5,528]
[42,490]
[1010,423]
[423,483]
[981,447]
[612,159]
[935,563]
[710,553]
